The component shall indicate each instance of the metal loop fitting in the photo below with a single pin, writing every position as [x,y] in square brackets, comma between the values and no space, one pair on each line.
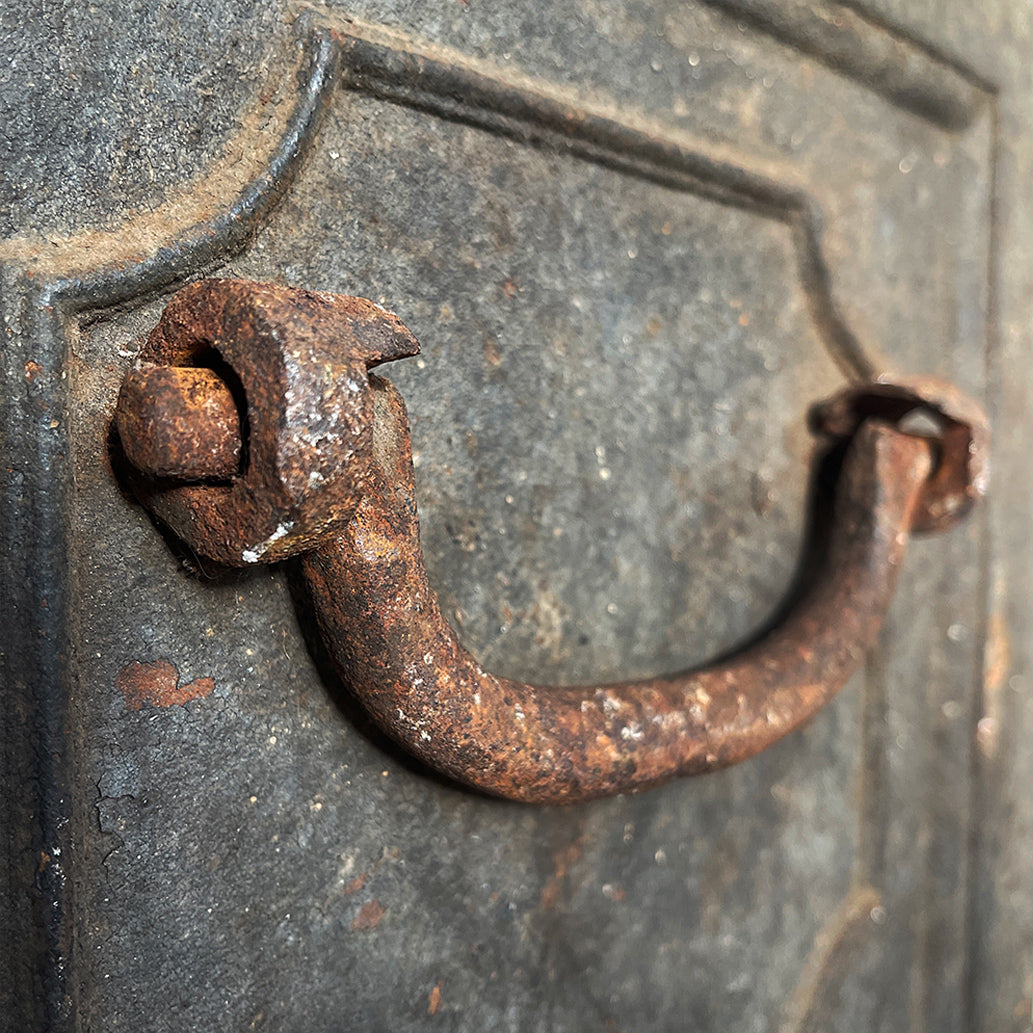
[313,458]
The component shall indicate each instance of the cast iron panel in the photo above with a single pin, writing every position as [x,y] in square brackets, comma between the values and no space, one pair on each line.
[635,246]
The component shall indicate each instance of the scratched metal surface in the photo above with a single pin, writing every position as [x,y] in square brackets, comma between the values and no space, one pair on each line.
[609,417]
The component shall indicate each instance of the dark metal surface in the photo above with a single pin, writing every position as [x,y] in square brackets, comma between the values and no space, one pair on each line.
[237,858]
[381,620]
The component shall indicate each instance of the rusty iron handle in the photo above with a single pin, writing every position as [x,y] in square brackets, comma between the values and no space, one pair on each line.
[335,485]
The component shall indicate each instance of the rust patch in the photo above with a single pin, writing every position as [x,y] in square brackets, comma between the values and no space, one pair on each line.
[998,655]
[32,370]
[654,324]
[996,664]
[157,683]
[369,917]
[563,861]
[492,355]
[382,624]
[301,359]
[355,885]
[435,1000]
[962,469]
[180,421]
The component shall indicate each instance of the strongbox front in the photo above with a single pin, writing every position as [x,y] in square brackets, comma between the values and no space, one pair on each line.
[517,516]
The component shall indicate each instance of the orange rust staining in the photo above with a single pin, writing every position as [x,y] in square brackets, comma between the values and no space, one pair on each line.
[491,352]
[551,892]
[563,861]
[179,421]
[309,435]
[355,885]
[434,1002]
[32,370]
[369,917]
[998,654]
[157,683]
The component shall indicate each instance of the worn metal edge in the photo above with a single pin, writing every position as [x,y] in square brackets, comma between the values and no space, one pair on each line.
[38,640]
[205,223]
[36,644]
[844,37]
[394,67]
[437,80]
[981,769]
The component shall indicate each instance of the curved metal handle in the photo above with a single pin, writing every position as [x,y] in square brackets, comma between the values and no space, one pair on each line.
[337,488]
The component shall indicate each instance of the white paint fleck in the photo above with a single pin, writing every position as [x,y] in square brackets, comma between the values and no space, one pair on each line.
[255,554]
